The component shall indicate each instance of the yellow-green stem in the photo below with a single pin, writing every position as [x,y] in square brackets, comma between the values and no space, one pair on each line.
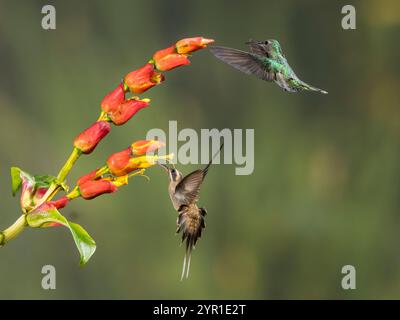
[68,165]
[12,231]
[101,171]
[74,193]
[55,187]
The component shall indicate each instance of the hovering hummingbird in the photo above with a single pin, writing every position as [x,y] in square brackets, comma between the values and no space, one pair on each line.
[266,61]
[184,194]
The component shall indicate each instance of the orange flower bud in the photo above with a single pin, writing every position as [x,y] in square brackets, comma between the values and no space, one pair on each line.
[143,79]
[87,177]
[141,147]
[88,139]
[117,162]
[112,100]
[189,45]
[92,189]
[127,110]
[168,59]
[60,203]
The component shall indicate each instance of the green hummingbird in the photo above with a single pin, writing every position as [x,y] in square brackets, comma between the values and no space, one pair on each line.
[266,61]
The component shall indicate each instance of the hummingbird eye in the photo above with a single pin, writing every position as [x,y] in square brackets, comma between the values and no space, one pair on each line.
[173,174]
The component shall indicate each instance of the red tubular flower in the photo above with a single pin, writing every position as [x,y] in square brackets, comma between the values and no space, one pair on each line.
[40,192]
[143,79]
[60,203]
[92,189]
[112,100]
[127,110]
[119,163]
[168,59]
[127,165]
[142,147]
[87,177]
[189,45]
[88,139]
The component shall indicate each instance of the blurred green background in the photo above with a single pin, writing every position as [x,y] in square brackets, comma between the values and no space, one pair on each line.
[325,190]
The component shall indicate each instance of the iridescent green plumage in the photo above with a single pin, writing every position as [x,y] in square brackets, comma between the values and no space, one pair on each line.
[267,62]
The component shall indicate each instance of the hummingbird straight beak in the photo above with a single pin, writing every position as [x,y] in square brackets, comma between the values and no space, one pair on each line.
[251,41]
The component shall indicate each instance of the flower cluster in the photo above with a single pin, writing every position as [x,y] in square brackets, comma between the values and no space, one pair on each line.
[117,109]
[37,192]
[118,169]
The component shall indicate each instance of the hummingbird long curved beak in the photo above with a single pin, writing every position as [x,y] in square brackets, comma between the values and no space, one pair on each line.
[165,167]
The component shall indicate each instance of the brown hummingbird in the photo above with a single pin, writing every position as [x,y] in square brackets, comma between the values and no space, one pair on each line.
[184,194]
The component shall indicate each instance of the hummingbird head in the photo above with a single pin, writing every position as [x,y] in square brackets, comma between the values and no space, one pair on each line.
[275,48]
[174,174]
[271,46]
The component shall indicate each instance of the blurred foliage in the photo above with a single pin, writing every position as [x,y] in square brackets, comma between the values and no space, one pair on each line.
[325,190]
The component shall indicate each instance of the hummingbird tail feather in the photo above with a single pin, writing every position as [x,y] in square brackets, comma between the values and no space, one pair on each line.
[188,266]
[191,224]
[311,88]
[184,267]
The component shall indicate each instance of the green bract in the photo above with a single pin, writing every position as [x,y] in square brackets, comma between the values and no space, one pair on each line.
[38,181]
[84,242]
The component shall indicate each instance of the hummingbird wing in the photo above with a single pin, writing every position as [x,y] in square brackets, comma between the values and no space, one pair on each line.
[246,62]
[187,191]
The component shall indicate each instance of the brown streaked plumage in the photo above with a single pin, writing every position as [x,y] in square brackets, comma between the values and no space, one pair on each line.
[184,194]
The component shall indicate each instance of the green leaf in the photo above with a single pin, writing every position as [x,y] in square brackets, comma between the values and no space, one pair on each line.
[84,242]
[17,176]
[46,181]
[16,180]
